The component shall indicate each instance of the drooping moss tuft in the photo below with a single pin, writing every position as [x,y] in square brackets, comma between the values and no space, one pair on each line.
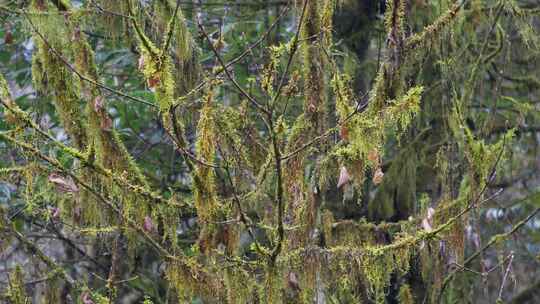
[405,295]
[16,293]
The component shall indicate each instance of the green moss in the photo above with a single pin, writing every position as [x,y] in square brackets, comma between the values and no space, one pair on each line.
[377,269]
[16,293]
[313,68]
[431,31]
[405,295]
[66,90]
[191,281]
[205,188]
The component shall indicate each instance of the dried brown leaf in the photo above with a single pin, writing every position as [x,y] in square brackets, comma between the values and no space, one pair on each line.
[63,183]
[344,177]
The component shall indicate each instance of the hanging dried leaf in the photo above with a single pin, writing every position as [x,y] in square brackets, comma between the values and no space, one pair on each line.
[430,213]
[293,281]
[63,183]
[427,222]
[8,38]
[153,81]
[426,225]
[378,176]
[55,213]
[343,177]
[98,103]
[312,108]
[106,123]
[85,298]
[373,156]
[148,225]
[344,132]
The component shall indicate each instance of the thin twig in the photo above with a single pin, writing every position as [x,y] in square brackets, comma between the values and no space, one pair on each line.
[506,275]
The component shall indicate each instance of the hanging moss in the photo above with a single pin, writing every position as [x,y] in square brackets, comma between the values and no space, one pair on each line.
[183,45]
[313,66]
[65,89]
[113,25]
[405,295]
[61,81]
[39,77]
[271,289]
[6,237]
[377,269]
[190,282]
[455,235]
[16,293]
[205,192]
[7,101]
[431,31]
[106,145]
[53,291]
[240,288]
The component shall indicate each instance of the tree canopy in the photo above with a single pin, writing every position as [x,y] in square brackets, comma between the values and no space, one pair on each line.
[251,151]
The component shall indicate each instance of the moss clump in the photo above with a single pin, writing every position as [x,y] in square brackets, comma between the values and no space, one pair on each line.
[16,293]
[405,295]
